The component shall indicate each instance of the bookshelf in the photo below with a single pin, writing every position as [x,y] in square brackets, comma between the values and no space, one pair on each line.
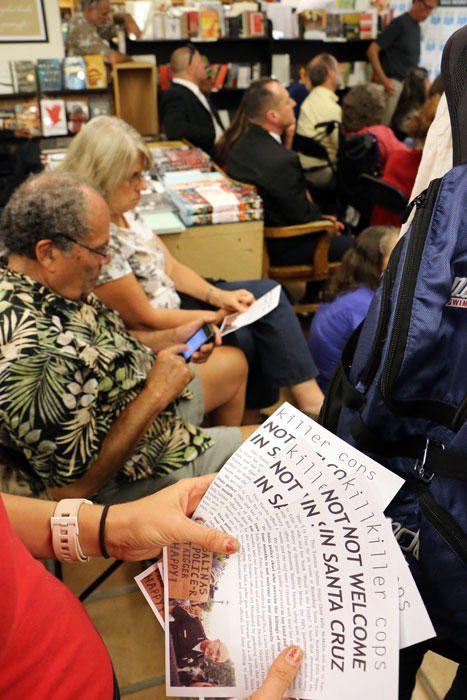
[251,51]
[136,95]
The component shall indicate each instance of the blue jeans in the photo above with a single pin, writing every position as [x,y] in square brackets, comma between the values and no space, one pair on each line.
[274,346]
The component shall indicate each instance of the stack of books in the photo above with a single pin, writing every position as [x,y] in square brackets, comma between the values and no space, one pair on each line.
[167,160]
[214,200]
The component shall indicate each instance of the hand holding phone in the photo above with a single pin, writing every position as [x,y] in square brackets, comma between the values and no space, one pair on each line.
[204,335]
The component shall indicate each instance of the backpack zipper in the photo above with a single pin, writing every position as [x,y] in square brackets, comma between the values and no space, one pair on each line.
[403,310]
[374,358]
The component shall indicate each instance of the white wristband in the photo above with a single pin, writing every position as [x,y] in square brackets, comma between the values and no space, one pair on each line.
[65,530]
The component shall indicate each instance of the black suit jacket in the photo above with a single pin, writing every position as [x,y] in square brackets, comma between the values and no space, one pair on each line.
[258,159]
[187,632]
[185,117]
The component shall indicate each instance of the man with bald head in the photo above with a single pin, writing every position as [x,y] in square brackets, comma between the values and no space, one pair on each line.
[186,112]
[262,157]
[321,105]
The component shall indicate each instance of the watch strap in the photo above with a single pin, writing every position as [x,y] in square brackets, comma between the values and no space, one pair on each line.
[65,530]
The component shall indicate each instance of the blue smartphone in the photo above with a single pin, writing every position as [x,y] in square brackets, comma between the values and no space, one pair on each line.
[204,335]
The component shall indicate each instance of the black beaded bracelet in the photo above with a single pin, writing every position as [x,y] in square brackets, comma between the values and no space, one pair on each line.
[105,553]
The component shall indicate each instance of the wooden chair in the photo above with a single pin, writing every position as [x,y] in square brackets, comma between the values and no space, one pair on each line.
[318,271]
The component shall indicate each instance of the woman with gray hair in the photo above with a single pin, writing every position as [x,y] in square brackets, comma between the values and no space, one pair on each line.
[143,280]
[362,109]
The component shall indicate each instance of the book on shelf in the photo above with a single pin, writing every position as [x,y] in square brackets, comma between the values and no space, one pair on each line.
[244,75]
[333,25]
[221,76]
[280,68]
[312,24]
[351,25]
[6,78]
[24,76]
[232,76]
[99,104]
[193,23]
[74,73]
[255,24]
[369,25]
[235,27]
[96,71]
[49,72]
[27,116]
[53,117]
[77,112]
[209,23]
[8,118]
[165,76]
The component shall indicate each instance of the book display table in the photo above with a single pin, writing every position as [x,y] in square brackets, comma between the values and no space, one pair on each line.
[230,251]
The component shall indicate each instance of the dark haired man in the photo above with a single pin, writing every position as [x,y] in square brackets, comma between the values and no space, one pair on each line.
[396,50]
[262,157]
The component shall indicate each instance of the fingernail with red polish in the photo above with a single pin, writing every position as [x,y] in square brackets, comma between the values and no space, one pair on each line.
[230,546]
[294,656]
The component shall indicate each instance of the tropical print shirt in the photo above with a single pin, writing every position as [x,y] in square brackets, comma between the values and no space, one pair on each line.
[67,371]
[136,250]
[85,39]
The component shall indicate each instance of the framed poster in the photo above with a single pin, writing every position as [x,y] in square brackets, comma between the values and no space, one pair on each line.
[22,21]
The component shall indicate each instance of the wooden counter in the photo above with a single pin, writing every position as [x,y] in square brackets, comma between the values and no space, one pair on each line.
[222,251]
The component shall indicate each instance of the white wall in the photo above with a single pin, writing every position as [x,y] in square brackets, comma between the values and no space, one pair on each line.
[51,49]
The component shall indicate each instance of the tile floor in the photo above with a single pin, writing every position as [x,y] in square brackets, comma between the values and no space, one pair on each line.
[136,642]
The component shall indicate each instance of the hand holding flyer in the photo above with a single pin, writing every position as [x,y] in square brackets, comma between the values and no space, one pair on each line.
[318,566]
[258,309]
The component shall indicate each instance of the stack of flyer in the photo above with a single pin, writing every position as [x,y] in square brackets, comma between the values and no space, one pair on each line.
[318,566]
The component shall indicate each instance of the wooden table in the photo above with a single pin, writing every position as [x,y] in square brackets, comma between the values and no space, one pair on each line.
[225,251]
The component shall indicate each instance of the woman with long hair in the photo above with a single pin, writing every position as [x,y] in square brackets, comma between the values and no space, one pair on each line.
[347,297]
[414,94]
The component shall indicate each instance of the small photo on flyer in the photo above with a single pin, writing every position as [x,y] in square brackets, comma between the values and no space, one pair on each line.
[197,654]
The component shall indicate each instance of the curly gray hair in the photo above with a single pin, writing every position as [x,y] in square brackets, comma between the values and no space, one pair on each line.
[45,206]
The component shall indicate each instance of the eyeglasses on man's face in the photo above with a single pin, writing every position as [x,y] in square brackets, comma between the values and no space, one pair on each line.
[103,250]
[427,6]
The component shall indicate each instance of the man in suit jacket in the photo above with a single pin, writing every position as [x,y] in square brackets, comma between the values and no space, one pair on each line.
[186,112]
[262,157]
[190,643]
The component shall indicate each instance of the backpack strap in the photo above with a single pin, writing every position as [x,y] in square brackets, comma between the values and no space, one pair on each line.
[431,457]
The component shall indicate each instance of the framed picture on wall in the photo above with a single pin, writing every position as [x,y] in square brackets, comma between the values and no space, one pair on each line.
[22,21]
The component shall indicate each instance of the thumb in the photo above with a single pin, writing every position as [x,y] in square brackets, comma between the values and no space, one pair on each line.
[280,675]
[209,538]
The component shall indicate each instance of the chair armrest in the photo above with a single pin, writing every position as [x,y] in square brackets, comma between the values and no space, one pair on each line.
[301,229]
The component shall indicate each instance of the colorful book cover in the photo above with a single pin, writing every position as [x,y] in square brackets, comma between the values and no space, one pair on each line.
[313,24]
[209,23]
[24,75]
[53,114]
[256,24]
[193,23]
[96,71]
[28,117]
[221,76]
[74,73]
[99,104]
[49,72]
[8,118]
[6,78]
[351,25]
[77,112]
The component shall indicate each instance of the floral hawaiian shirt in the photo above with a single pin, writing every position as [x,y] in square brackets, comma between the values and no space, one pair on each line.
[67,371]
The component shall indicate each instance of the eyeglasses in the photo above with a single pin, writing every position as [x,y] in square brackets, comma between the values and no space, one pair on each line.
[192,50]
[103,251]
[428,7]
[136,178]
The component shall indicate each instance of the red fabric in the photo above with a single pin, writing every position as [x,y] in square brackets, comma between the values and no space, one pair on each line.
[49,649]
[400,171]
[387,141]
